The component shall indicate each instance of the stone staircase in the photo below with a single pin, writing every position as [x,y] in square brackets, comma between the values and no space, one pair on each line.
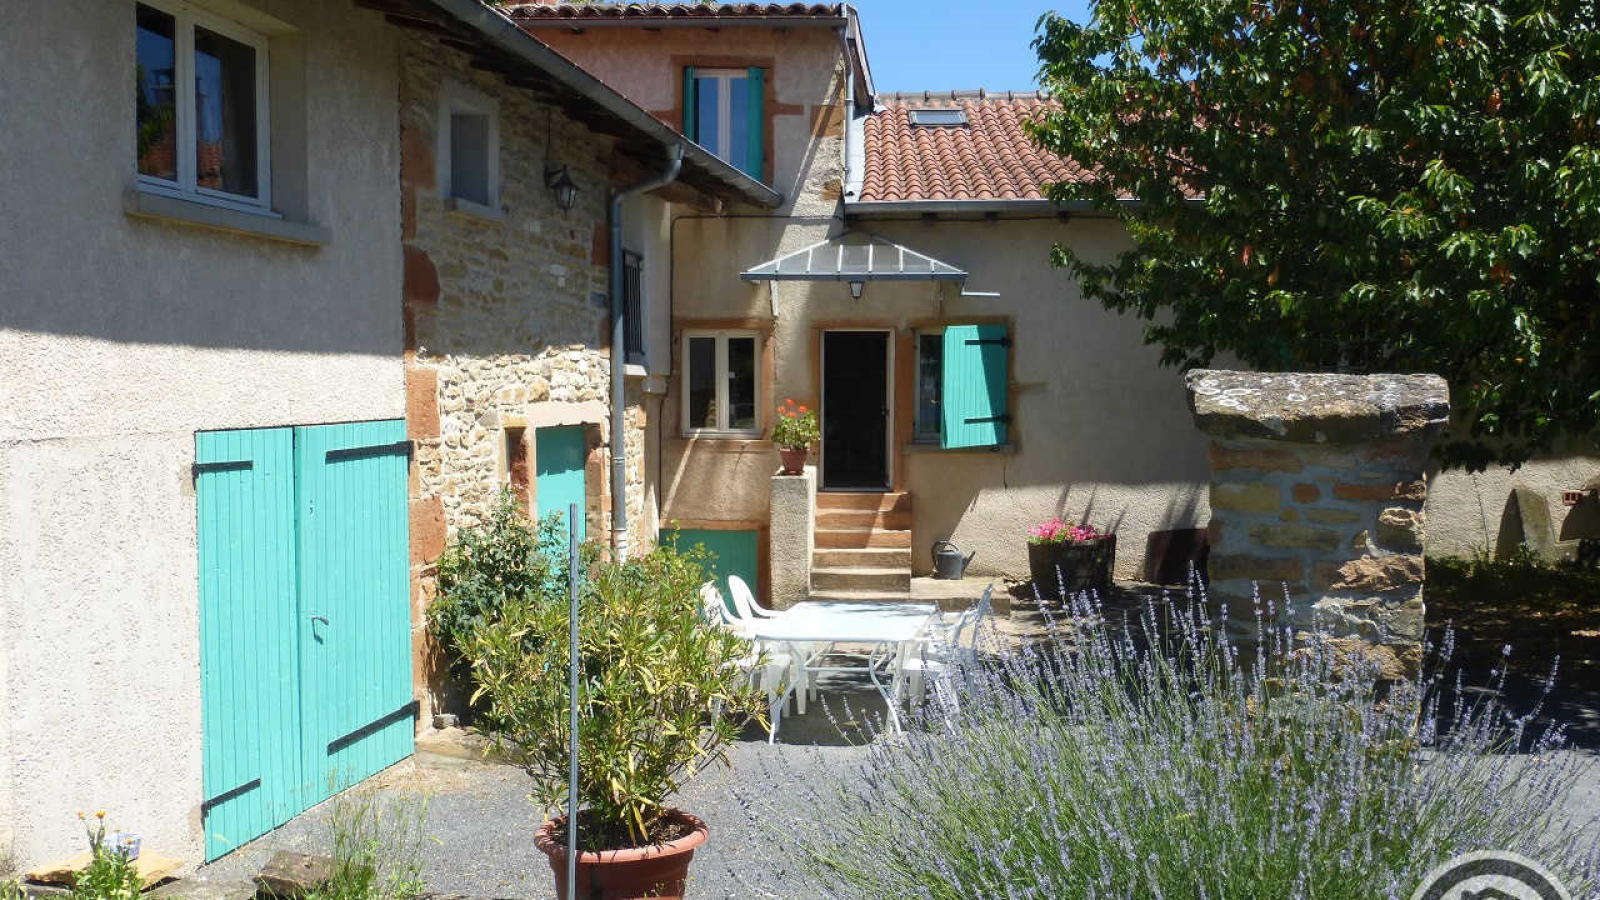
[863,547]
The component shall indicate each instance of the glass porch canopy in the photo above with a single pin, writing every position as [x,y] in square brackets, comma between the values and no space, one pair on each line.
[854,256]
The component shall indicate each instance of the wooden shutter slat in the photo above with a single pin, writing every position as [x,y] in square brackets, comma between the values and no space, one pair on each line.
[974,396]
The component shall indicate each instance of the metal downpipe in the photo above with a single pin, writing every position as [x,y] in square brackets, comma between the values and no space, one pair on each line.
[619,351]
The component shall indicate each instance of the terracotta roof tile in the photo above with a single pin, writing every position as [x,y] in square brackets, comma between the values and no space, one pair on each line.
[989,158]
[651,11]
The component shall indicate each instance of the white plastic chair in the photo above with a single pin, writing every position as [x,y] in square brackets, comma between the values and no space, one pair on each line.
[744,602]
[768,678]
[952,643]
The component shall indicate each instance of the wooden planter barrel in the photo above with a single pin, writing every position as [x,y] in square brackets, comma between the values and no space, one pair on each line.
[1082,566]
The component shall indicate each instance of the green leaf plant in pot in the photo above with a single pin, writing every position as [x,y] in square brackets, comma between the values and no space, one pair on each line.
[794,432]
[661,693]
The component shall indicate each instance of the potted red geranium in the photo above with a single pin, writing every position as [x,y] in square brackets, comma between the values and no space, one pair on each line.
[794,433]
[1064,557]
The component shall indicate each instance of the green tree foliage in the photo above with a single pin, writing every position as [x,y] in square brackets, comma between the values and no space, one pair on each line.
[1410,186]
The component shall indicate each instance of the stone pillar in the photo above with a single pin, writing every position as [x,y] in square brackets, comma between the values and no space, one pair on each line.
[1317,483]
[790,532]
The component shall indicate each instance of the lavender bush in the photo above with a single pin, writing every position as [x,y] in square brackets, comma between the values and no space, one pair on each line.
[1149,757]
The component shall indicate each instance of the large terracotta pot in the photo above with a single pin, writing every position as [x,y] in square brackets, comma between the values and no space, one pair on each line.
[1084,565]
[657,872]
[794,459]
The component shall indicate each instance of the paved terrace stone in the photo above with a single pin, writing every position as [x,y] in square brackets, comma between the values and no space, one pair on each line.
[1316,407]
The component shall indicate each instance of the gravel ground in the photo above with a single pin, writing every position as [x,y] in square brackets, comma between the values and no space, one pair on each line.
[480,820]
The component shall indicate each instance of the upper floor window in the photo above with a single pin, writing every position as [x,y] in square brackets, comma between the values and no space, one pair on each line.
[722,112]
[469,150]
[201,99]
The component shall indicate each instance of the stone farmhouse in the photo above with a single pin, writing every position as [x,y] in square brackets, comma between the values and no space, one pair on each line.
[279,320]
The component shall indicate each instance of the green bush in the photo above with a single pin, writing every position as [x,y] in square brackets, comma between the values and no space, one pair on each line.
[486,565]
[660,691]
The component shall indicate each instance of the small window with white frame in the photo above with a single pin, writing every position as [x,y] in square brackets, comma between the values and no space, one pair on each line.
[721,382]
[929,384]
[201,107]
[469,150]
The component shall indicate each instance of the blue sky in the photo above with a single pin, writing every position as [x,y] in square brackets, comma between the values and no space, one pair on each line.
[916,45]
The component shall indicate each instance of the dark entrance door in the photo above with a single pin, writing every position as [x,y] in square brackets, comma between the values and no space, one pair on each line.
[855,410]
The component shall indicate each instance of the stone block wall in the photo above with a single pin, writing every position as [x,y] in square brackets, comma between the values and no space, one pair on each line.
[507,321]
[1317,488]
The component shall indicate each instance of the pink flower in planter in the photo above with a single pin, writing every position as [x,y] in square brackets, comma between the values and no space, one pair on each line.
[1056,531]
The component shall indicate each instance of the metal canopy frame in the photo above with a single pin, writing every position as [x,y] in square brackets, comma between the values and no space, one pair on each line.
[854,256]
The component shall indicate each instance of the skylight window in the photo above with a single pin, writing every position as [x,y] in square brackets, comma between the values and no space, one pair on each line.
[938,118]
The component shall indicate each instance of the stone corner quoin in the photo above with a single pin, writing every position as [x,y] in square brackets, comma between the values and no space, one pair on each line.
[1317,408]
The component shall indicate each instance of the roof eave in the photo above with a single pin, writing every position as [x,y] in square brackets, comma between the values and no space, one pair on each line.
[872,208]
[578,23]
[503,34]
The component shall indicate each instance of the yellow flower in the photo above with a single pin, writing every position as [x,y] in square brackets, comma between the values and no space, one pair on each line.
[100,814]
[80,813]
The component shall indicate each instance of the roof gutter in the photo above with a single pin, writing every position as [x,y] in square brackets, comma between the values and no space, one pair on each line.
[507,37]
[619,350]
[581,23]
[870,208]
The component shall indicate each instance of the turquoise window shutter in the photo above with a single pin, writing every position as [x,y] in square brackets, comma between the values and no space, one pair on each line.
[756,84]
[688,104]
[976,410]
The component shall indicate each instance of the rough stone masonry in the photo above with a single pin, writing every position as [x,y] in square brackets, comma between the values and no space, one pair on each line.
[1317,488]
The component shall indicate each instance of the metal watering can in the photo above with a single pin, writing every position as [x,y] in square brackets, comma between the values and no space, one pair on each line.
[948,563]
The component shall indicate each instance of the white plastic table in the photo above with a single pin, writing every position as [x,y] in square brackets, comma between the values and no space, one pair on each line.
[887,626]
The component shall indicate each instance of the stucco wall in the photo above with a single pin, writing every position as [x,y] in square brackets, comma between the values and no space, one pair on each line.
[1465,509]
[1101,432]
[119,338]
[805,82]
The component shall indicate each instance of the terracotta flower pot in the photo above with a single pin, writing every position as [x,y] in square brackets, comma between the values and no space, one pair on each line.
[794,459]
[657,872]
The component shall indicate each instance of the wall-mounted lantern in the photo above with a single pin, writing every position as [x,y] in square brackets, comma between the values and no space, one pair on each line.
[562,186]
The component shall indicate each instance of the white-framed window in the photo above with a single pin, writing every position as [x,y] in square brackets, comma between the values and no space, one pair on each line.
[929,386]
[468,151]
[201,99]
[721,382]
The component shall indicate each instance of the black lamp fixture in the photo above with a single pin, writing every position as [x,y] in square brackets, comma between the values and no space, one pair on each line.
[557,178]
[855,289]
[560,183]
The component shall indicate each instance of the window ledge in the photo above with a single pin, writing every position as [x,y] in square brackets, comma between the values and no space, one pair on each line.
[1008,449]
[468,208]
[146,205]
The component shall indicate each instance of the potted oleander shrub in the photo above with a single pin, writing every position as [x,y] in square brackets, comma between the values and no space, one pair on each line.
[794,432]
[662,693]
[1064,557]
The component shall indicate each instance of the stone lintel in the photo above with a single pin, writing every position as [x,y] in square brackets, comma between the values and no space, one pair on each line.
[1316,408]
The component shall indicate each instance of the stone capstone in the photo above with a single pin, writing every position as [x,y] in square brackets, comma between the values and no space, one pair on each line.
[1316,408]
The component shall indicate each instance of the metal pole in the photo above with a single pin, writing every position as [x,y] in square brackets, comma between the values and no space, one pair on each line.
[572,701]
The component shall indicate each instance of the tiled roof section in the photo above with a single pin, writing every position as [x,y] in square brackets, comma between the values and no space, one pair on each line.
[654,11]
[989,158]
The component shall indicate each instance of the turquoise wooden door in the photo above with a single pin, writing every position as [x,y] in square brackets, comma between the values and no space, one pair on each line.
[559,456]
[249,678]
[355,627]
[304,618]
[732,552]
